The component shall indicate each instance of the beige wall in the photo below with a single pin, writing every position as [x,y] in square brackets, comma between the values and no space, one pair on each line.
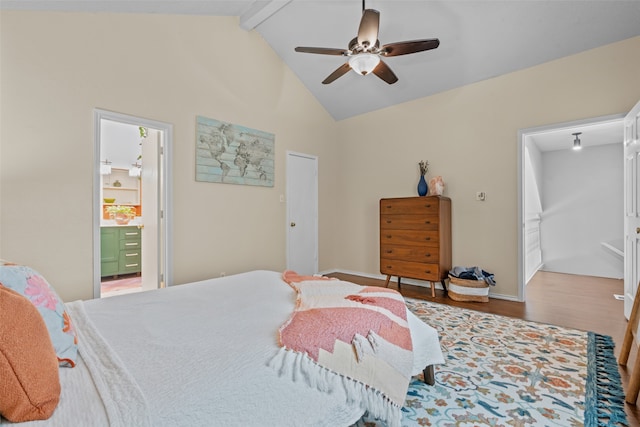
[57,67]
[469,136]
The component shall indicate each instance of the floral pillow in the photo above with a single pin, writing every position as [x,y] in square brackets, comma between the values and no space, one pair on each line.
[36,289]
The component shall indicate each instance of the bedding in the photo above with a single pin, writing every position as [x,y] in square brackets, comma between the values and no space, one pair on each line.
[197,355]
[359,332]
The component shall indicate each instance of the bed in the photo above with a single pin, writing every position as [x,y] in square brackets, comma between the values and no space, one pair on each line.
[198,355]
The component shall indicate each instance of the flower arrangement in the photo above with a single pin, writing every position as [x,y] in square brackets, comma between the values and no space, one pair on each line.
[424,166]
[127,210]
[122,214]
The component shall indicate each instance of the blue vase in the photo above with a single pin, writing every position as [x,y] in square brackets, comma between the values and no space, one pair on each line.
[423,189]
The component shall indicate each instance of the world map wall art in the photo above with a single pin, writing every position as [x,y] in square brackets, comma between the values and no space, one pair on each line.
[233,154]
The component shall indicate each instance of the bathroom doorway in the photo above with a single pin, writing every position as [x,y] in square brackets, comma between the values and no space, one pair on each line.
[131,193]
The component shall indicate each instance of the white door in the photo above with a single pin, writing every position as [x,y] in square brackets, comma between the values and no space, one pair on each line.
[150,177]
[631,206]
[302,213]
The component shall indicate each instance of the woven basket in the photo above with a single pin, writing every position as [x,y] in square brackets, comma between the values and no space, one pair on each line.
[468,290]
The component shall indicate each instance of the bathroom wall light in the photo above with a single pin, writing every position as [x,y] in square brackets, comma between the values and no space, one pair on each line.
[135,169]
[576,142]
[105,167]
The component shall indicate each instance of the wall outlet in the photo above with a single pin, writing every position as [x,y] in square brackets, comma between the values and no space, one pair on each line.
[480,196]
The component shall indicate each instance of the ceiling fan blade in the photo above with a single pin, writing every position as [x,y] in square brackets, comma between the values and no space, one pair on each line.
[383,71]
[412,46]
[339,72]
[322,50]
[368,31]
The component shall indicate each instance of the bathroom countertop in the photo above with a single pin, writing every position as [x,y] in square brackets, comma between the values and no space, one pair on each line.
[112,223]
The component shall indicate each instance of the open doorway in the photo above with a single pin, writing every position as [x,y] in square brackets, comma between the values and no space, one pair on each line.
[564,196]
[131,200]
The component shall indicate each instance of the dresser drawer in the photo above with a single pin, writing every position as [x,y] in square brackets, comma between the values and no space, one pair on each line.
[428,221]
[129,262]
[129,233]
[409,237]
[130,244]
[410,253]
[414,270]
[411,205]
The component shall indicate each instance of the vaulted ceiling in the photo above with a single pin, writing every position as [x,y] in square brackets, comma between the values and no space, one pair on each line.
[479,39]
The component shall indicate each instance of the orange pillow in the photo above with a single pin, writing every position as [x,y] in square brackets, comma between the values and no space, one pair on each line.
[29,385]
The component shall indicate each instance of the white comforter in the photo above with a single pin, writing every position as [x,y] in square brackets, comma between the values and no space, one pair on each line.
[196,355]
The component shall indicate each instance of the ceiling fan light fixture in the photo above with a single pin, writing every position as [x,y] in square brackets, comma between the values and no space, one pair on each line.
[364,63]
[576,142]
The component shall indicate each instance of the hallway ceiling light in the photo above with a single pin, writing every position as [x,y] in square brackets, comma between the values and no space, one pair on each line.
[105,167]
[576,142]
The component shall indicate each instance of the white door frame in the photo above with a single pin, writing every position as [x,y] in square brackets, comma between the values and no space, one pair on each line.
[522,136]
[631,207]
[290,180]
[166,198]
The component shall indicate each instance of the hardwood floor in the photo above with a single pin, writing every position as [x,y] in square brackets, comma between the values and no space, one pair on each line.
[580,302]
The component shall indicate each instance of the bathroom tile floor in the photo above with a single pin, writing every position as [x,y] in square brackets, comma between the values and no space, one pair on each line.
[122,285]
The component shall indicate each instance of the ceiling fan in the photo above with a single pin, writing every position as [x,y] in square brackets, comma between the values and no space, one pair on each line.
[364,52]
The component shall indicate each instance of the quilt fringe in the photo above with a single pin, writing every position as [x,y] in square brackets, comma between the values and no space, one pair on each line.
[299,367]
[604,396]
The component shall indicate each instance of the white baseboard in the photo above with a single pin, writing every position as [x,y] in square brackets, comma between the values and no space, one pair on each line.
[421,283]
[534,271]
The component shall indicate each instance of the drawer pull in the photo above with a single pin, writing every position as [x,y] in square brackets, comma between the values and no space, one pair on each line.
[133,233]
[388,236]
[427,238]
[427,255]
[427,222]
[131,265]
[389,251]
[388,221]
[131,244]
[389,267]
[136,254]
[428,271]
[427,206]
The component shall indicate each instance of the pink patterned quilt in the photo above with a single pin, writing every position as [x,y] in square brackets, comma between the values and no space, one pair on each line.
[358,332]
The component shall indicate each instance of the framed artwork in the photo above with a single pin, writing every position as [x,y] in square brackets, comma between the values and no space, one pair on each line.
[233,154]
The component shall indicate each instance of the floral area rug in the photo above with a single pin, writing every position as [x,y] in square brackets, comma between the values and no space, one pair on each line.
[501,371]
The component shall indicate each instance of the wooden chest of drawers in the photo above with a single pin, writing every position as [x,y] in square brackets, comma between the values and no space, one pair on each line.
[415,238]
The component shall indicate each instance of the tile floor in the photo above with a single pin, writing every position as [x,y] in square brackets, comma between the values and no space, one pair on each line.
[122,285]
